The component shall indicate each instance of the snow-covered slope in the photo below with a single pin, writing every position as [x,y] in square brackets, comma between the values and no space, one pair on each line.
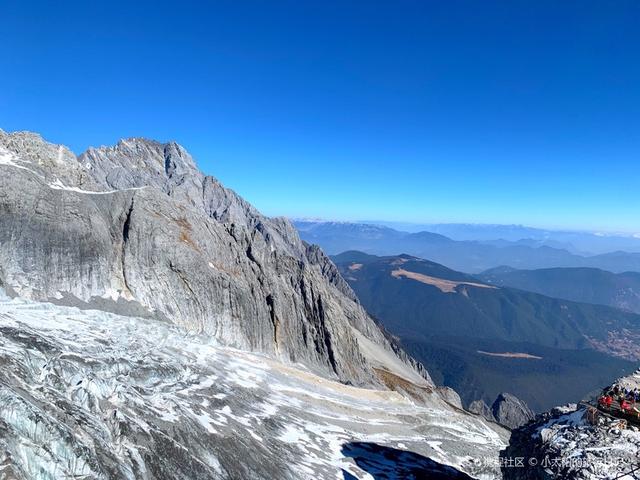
[89,394]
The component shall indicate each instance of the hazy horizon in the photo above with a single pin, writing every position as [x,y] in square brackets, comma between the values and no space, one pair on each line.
[630,234]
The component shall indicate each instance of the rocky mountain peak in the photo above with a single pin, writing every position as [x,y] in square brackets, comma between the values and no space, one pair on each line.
[136,228]
[137,162]
[480,407]
[34,149]
[177,160]
[510,411]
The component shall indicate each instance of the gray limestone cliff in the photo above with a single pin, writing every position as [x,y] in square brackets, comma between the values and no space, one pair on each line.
[510,411]
[138,229]
[480,407]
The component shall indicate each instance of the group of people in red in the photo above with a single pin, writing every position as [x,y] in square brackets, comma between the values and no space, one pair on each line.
[626,398]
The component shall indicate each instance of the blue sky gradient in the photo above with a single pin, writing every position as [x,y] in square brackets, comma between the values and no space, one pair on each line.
[454,111]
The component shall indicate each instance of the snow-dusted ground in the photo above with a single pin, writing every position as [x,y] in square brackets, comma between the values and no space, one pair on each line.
[630,382]
[579,449]
[10,159]
[86,394]
[575,442]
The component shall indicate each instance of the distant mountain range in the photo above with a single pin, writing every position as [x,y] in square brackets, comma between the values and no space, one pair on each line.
[586,243]
[483,340]
[472,256]
[588,285]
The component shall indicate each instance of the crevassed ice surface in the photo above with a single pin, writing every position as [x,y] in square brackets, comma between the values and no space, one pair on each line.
[86,394]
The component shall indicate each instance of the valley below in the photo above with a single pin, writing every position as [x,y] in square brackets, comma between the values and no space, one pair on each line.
[482,340]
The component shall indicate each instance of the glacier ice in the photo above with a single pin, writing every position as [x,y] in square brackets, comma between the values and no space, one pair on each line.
[89,394]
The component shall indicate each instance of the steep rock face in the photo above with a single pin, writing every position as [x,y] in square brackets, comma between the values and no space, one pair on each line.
[479,407]
[451,396]
[510,411]
[138,229]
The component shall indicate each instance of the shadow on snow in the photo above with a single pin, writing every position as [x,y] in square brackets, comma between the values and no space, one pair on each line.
[386,463]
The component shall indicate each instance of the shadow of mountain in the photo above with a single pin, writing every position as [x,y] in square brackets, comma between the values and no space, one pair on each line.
[386,463]
[516,458]
[348,476]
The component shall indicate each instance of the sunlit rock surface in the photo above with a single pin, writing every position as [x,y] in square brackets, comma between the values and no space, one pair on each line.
[137,229]
[88,394]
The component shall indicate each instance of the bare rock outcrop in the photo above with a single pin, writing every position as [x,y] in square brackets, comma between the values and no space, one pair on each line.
[510,411]
[480,407]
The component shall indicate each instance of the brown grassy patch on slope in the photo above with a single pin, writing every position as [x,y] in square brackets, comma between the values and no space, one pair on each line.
[399,384]
[447,286]
[510,355]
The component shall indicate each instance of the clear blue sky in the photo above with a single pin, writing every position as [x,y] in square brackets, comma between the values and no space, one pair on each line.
[503,112]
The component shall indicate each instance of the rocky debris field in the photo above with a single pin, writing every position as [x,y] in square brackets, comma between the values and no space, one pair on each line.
[574,443]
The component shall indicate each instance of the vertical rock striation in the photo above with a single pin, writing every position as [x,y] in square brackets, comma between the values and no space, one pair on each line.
[137,229]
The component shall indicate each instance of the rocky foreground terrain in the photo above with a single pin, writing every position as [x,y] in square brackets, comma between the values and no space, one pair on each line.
[576,442]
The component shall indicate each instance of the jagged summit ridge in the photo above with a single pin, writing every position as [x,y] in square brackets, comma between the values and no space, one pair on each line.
[136,228]
[137,162]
